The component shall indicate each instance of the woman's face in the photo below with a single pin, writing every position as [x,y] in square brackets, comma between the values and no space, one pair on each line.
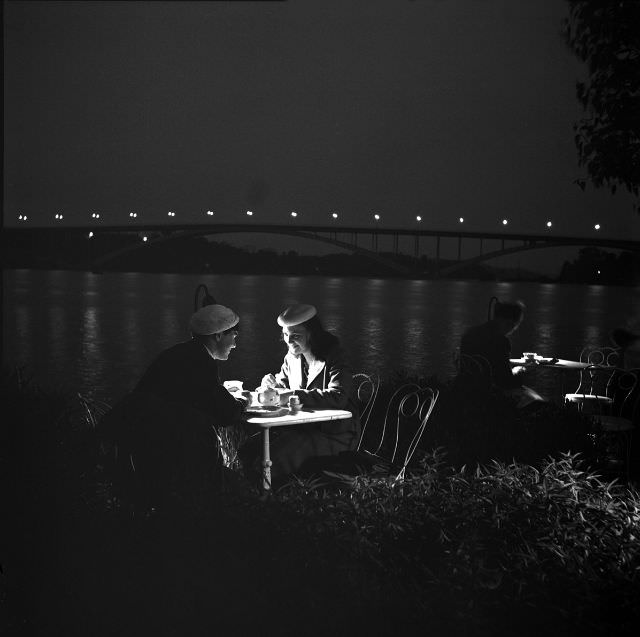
[297,339]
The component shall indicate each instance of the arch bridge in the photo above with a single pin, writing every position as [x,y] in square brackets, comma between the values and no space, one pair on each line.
[364,241]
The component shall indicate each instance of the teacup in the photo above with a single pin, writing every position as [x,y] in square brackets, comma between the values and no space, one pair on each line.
[233,386]
[268,397]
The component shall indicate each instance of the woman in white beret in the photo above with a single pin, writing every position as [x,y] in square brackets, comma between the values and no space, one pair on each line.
[314,369]
[163,427]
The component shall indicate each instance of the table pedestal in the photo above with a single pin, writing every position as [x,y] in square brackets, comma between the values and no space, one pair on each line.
[290,419]
[266,460]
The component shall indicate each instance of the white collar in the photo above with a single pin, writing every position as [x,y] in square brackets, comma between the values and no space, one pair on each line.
[208,350]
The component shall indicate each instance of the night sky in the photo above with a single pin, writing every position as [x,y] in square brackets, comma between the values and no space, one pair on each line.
[439,108]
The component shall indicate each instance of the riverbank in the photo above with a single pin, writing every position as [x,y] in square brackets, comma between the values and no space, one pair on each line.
[128,253]
[511,548]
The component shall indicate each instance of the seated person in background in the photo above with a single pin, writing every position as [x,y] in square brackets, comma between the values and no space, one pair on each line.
[314,369]
[629,344]
[491,342]
[163,428]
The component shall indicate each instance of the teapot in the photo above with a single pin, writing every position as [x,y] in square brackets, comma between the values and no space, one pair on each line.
[268,397]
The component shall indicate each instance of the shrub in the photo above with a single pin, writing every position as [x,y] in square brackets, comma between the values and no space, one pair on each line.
[488,546]
[503,547]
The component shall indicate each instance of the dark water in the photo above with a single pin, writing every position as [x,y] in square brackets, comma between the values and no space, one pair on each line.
[95,333]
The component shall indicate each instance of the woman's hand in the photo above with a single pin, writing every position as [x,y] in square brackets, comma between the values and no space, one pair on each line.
[268,381]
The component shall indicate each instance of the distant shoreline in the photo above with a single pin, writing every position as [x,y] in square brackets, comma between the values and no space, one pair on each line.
[205,272]
[199,256]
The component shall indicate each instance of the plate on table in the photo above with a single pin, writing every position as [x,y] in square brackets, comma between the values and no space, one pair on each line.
[267,412]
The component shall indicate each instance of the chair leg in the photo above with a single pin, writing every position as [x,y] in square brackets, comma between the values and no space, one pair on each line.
[613,452]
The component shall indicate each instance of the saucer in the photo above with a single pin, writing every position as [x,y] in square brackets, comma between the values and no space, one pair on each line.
[267,411]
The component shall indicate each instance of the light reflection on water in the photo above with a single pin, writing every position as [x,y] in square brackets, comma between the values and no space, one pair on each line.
[97,333]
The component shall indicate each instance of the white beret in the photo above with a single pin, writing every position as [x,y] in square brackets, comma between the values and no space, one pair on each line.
[296,314]
[212,319]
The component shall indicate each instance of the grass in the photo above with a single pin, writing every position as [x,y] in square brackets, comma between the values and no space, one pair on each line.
[491,546]
[464,545]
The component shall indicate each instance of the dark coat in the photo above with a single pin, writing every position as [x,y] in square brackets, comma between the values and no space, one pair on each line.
[162,431]
[487,341]
[186,374]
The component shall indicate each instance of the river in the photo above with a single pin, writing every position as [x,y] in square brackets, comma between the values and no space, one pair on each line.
[96,333]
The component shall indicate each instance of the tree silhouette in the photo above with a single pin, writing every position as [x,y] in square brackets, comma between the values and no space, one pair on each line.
[605,34]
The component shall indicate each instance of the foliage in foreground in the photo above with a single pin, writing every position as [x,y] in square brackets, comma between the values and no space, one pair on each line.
[505,548]
[490,544]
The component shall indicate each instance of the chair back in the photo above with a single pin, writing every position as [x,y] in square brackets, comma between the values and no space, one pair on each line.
[405,421]
[474,378]
[475,366]
[367,386]
[624,390]
[604,356]
[425,400]
[597,379]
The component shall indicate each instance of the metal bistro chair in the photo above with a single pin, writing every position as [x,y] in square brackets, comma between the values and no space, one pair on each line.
[347,464]
[614,429]
[367,387]
[593,393]
[474,379]
[405,421]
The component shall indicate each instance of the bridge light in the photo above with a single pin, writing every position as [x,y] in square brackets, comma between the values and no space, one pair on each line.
[133,214]
[461,220]
[90,235]
[335,215]
[59,216]
[22,217]
[549,224]
[249,213]
[376,217]
[294,213]
[597,226]
[597,271]
[171,214]
[144,238]
[95,215]
[418,218]
[210,213]
[505,222]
